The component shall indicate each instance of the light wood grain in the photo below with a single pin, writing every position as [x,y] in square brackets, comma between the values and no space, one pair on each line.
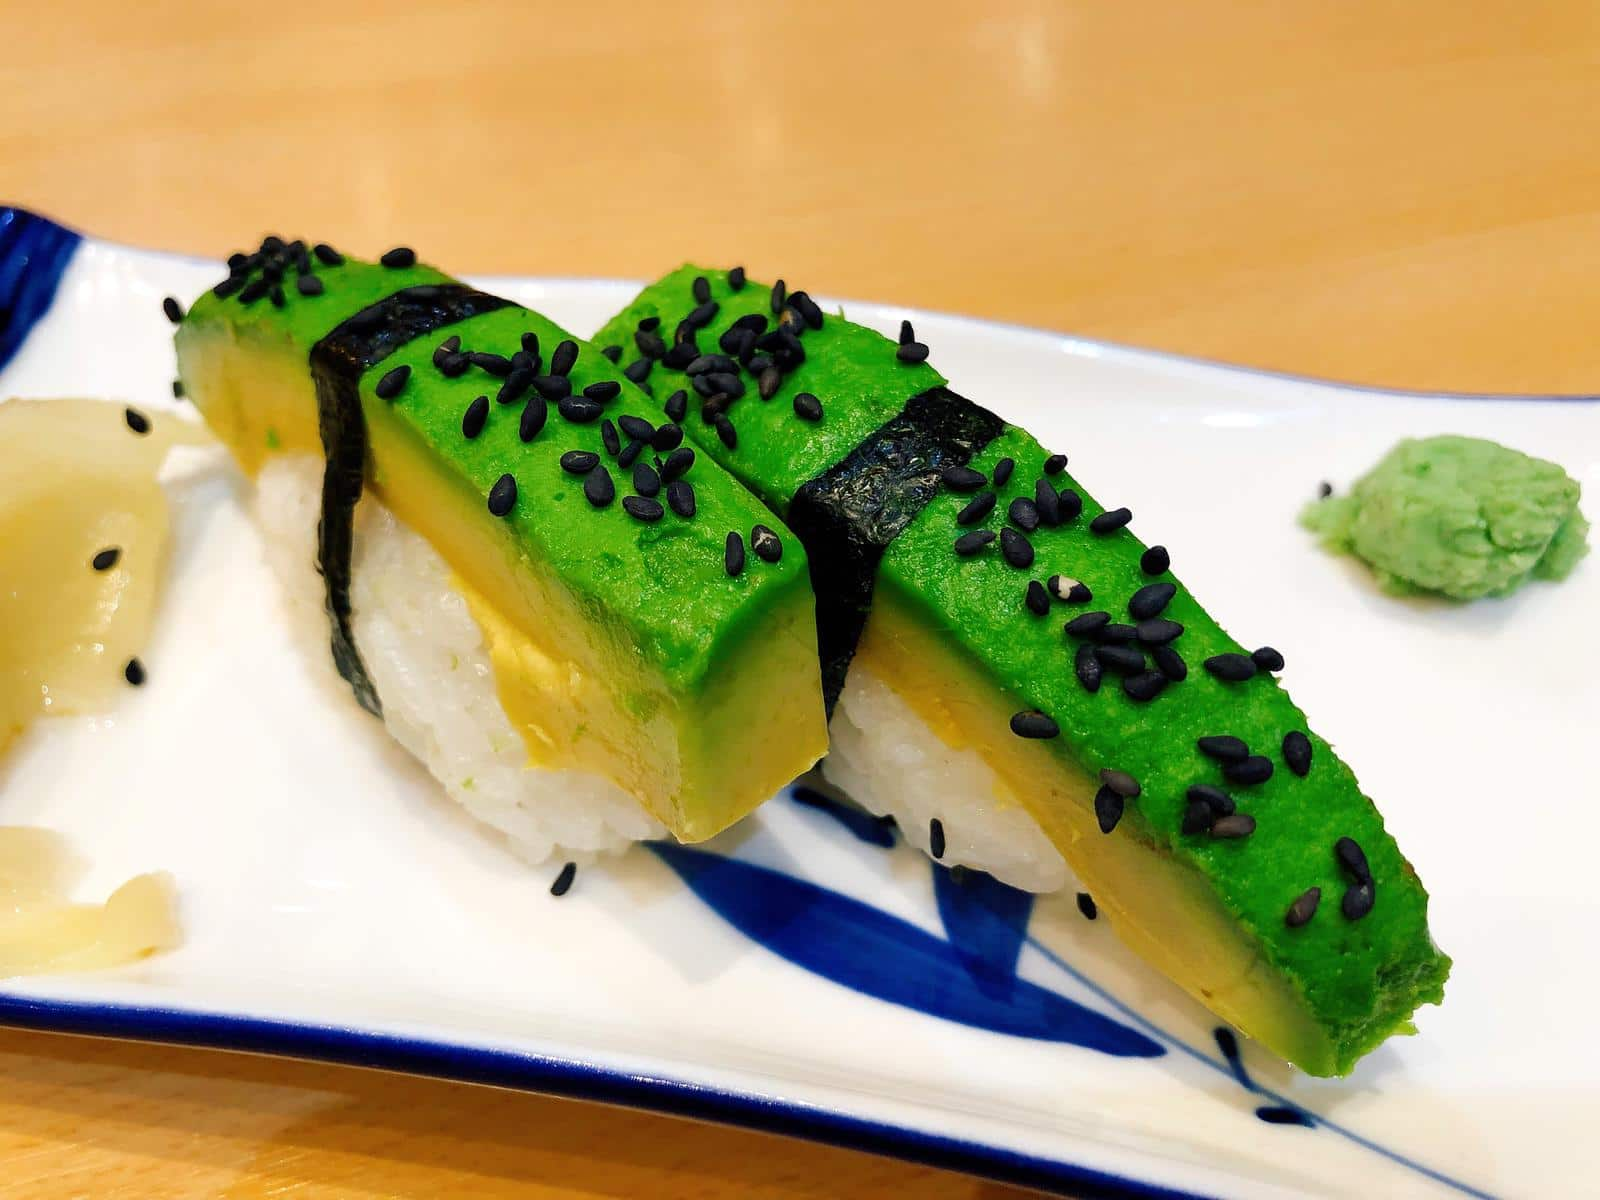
[1394,193]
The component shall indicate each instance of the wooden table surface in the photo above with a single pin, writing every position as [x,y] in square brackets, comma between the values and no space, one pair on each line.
[1402,194]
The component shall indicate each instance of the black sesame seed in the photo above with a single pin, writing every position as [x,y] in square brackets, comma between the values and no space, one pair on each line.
[642,508]
[704,364]
[497,365]
[677,406]
[1108,808]
[649,323]
[1002,471]
[453,366]
[677,463]
[650,344]
[564,880]
[736,279]
[474,419]
[807,407]
[1224,747]
[1267,659]
[553,387]
[598,488]
[251,292]
[724,382]
[645,480]
[701,288]
[1120,660]
[614,353]
[702,315]
[1071,504]
[1157,631]
[907,334]
[133,672]
[601,391]
[1087,624]
[1303,908]
[1145,686]
[1155,560]
[327,255]
[308,285]
[1047,502]
[238,261]
[1214,798]
[276,296]
[228,286]
[1235,825]
[1110,522]
[1170,663]
[1197,817]
[399,258]
[503,495]
[1087,668]
[1024,514]
[1353,859]
[578,410]
[579,462]
[1324,490]
[631,452]
[530,344]
[1069,590]
[1297,752]
[609,438]
[969,544]
[808,309]
[1031,723]
[534,415]
[936,838]
[449,346]
[668,437]
[767,545]
[1017,550]
[778,298]
[1255,769]
[912,353]
[726,432]
[1055,464]
[1037,599]
[1086,906]
[272,272]
[173,309]
[733,553]
[976,509]
[1118,631]
[515,385]
[768,383]
[1357,900]
[680,498]
[136,421]
[106,559]
[638,370]
[636,427]
[1233,668]
[1151,600]
[1121,782]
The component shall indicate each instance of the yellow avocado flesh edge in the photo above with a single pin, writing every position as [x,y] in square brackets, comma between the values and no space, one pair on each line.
[582,697]
[1161,909]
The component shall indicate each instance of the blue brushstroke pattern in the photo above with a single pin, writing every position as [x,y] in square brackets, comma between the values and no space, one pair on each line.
[1272,1114]
[866,949]
[877,830]
[33,254]
[986,922]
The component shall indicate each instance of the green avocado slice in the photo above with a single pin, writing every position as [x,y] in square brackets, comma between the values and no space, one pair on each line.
[1218,896]
[628,649]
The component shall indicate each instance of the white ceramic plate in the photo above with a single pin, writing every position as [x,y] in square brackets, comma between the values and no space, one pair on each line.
[336,906]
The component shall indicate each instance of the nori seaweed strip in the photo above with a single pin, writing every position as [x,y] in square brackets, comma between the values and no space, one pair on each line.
[337,363]
[847,516]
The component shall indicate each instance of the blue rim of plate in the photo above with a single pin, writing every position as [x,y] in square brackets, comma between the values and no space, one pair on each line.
[571,1079]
